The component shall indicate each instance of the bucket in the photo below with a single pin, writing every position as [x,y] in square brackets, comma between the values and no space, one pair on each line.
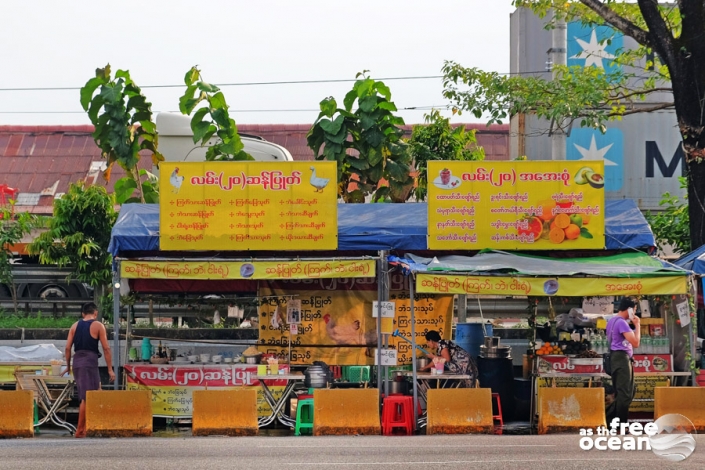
[470,336]
[498,374]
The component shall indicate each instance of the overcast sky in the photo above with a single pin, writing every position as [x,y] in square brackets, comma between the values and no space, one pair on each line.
[59,43]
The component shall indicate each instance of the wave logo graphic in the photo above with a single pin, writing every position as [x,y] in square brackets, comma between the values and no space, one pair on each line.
[673,441]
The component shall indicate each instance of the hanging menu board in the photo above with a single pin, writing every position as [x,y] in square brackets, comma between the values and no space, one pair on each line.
[248,206]
[526,205]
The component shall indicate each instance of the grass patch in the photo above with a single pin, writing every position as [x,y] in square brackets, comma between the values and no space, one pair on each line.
[8,320]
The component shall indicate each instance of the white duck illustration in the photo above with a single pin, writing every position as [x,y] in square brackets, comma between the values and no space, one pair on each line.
[316,182]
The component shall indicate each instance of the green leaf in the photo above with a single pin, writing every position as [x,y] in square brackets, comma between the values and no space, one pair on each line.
[207,87]
[332,127]
[383,90]
[191,76]
[585,233]
[111,93]
[187,102]
[349,99]
[200,130]
[198,116]
[88,90]
[328,106]
[387,105]
[368,103]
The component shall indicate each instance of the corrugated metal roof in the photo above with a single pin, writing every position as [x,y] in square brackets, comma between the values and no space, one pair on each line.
[34,158]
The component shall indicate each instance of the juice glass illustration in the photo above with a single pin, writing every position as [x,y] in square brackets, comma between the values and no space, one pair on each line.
[445,176]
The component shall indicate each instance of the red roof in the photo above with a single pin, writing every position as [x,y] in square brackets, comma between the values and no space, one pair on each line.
[46,159]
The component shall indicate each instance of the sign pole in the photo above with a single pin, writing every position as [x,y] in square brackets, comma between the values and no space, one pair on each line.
[116,325]
[413,345]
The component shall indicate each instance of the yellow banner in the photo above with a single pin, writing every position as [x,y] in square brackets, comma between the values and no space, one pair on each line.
[337,327]
[247,270]
[527,205]
[7,372]
[564,286]
[178,401]
[235,206]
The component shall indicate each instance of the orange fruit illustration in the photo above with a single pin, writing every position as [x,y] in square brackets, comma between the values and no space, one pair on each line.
[556,235]
[562,220]
[586,219]
[572,232]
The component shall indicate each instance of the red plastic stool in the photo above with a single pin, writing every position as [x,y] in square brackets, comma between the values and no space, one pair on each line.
[419,409]
[497,418]
[337,371]
[397,412]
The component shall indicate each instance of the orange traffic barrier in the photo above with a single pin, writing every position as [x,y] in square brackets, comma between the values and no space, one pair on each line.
[122,413]
[225,412]
[16,413]
[459,411]
[346,412]
[569,409]
[686,401]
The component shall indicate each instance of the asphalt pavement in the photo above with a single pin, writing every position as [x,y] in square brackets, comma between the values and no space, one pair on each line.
[335,453]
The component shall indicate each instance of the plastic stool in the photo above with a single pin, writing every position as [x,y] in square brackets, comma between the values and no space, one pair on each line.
[397,412]
[304,416]
[497,418]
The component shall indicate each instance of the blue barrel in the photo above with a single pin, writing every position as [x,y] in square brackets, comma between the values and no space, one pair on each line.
[470,337]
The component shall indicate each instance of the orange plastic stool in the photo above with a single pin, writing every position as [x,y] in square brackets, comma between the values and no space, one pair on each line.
[397,412]
[497,418]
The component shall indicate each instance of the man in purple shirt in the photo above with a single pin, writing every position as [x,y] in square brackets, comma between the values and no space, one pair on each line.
[622,341]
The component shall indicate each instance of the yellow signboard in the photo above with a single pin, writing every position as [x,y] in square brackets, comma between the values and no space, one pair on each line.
[337,326]
[247,270]
[539,286]
[248,206]
[527,205]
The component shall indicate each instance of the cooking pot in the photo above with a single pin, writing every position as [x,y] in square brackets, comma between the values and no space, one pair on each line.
[318,375]
[253,359]
[422,362]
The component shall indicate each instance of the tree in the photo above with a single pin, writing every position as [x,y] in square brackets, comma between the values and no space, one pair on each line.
[671,226]
[438,140]
[13,227]
[366,143]
[230,146]
[672,33]
[122,130]
[79,235]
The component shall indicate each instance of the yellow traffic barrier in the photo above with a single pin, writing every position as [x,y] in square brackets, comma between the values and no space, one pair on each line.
[346,411]
[686,401]
[566,409]
[459,411]
[225,412]
[16,413]
[120,413]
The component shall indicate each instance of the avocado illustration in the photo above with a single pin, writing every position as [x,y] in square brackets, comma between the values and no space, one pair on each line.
[596,180]
[581,177]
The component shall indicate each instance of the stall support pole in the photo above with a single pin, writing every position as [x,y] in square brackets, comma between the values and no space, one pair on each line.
[413,345]
[116,325]
[380,288]
[462,308]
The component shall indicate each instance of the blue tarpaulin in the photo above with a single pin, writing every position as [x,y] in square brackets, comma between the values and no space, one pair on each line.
[373,227]
[695,261]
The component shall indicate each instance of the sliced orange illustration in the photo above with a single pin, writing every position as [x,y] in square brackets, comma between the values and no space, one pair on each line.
[562,220]
[556,235]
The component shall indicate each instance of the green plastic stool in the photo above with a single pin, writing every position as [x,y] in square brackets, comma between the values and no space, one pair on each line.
[36,418]
[304,417]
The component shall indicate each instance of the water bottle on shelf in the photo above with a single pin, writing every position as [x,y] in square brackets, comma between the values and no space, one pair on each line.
[646,340]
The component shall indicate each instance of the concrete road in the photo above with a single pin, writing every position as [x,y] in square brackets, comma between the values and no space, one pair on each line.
[334,453]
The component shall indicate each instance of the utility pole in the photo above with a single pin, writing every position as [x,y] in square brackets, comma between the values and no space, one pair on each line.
[558,56]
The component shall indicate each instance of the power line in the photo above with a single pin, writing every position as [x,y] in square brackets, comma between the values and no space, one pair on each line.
[290,82]
[410,108]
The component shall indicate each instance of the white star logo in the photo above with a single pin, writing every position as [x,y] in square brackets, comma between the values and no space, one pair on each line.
[593,52]
[593,153]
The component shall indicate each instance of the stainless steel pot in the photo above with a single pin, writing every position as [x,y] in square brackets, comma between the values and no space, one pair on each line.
[401,386]
[422,362]
[253,359]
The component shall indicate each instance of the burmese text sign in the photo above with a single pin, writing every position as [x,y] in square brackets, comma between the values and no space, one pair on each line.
[527,205]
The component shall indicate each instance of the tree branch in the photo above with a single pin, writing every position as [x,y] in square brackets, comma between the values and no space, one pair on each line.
[643,110]
[619,22]
[661,37]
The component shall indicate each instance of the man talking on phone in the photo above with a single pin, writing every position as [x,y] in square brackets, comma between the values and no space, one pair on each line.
[622,341]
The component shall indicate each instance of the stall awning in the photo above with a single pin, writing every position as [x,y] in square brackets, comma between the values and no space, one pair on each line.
[695,261]
[634,264]
[373,227]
